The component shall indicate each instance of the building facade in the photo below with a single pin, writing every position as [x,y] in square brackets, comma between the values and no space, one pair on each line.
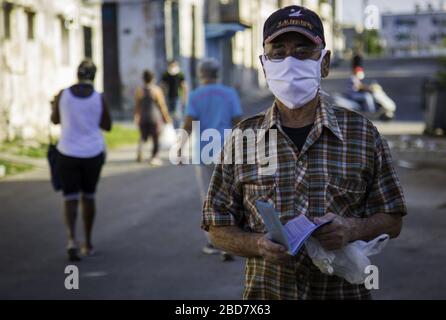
[414,34]
[41,45]
[141,35]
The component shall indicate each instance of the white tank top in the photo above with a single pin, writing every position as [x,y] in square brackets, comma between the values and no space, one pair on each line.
[81,135]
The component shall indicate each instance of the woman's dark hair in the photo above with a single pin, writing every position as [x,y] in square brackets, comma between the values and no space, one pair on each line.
[86,70]
[147,76]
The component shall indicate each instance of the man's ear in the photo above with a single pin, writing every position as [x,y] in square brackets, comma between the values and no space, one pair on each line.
[325,65]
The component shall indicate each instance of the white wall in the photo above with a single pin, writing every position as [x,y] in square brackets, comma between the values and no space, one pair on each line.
[32,72]
[136,39]
[185,26]
[140,41]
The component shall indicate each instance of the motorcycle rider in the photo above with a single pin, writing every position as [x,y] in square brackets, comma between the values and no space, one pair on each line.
[360,92]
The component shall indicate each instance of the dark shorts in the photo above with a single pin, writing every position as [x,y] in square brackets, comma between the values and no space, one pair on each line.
[148,129]
[79,174]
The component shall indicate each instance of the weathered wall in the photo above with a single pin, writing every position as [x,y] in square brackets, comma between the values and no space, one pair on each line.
[141,44]
[192,46]
[143,35]
[33,70]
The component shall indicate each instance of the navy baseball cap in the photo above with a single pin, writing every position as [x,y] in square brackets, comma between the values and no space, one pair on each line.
[296,19]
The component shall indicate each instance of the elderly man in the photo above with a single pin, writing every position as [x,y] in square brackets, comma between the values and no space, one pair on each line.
[331,164]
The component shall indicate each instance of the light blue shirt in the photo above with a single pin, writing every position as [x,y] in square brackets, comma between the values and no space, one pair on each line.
[214,105]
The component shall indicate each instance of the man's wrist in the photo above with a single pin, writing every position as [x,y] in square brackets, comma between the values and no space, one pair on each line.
[255,246]
[353,229]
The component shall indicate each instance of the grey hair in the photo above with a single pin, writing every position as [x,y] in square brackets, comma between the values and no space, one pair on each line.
[208,68]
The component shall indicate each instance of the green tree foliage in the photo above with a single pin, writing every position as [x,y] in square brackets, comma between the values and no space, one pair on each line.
[372,43]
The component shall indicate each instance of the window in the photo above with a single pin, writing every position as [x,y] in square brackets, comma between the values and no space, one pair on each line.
[88,42]
[65,41]
[436,21]
[7,13]
[405,22]
[402,37]
[30,19]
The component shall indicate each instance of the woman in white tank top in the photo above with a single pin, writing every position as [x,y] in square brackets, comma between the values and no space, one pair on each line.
[82,113]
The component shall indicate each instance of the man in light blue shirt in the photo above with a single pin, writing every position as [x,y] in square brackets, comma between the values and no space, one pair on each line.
[211,106]
[215,106]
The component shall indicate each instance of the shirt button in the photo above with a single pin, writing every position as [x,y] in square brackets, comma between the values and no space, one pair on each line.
[300,163]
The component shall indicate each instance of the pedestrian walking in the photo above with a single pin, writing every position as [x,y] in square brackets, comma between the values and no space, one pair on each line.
[175,88]
[150,113]
[214,106]
[332,165]
[82,112]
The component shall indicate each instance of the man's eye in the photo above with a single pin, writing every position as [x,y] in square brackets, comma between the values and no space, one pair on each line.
[277,53]
[278,46]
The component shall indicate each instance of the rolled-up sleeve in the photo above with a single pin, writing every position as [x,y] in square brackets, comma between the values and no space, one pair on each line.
[223,204]
[385,194]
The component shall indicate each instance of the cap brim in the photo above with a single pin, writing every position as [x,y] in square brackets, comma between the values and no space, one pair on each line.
[316,39]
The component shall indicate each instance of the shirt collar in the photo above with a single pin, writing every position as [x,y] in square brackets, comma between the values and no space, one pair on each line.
[325,117]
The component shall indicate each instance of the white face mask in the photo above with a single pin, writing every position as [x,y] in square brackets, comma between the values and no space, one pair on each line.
[294,82]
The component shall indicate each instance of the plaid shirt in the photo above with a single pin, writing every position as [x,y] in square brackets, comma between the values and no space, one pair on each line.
[344,167]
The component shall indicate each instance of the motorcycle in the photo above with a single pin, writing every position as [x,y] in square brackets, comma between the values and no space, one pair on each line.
[385,106]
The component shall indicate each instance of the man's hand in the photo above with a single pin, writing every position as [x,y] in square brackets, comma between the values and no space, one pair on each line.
[167,119]
[334,235]
[272,252]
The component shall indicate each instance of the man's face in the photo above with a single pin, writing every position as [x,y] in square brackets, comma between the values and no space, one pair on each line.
[296,45]
[174,68]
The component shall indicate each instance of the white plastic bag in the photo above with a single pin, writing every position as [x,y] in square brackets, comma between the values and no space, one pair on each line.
[167,137]
[350,261]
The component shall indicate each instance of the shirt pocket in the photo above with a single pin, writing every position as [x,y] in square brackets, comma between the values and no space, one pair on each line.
[345,197]
[252,193]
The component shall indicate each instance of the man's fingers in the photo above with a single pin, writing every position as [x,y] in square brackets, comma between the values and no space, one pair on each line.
[330,244]
[327,217]
[272,251]
[328,237]
[329,228]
